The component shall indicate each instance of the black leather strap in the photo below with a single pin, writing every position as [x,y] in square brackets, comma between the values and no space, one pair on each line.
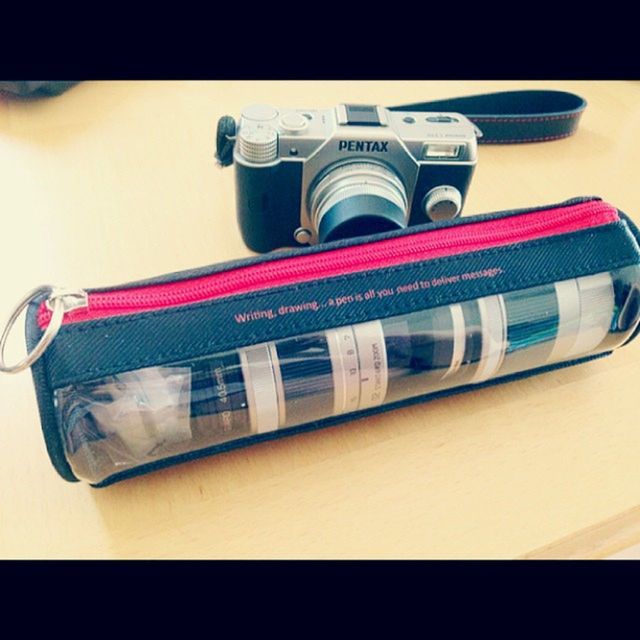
[505,117]
[510,117]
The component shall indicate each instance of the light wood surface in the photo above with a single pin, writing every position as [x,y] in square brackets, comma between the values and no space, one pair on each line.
[613,537]
[115,181]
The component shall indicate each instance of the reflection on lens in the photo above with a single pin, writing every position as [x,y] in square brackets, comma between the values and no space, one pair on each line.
[356,199]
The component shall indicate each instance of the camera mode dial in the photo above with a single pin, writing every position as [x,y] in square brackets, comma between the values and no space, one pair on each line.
[258,143]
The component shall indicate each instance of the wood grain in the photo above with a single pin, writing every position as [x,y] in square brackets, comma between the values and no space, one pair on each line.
[115,181]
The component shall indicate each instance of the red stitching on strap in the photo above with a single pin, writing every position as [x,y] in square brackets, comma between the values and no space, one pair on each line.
[516,140]
[517,119]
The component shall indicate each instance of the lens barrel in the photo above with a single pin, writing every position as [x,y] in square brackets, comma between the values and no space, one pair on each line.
[306,378]
[356,199]
[157,412]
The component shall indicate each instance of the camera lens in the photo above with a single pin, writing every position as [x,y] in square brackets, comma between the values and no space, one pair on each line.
[298,380]
[586,308]
[263,381]
[423,349]
[359,366]
[532,327]
[307,381]
[156,412]
[219,408]
[356,199]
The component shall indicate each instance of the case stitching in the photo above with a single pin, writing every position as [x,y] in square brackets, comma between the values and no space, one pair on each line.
[136,317]
[252,337]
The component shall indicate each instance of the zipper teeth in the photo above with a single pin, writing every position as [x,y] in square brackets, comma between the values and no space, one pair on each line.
[334,262]
[400,247]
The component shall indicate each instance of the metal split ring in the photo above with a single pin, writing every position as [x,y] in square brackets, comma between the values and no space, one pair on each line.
[57,307]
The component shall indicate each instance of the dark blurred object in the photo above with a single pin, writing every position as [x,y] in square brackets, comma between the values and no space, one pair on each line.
[36,88]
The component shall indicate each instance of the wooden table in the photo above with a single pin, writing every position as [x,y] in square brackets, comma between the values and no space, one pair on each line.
[115,181]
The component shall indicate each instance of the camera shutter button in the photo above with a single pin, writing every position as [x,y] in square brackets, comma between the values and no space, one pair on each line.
[442,203]
[293,122]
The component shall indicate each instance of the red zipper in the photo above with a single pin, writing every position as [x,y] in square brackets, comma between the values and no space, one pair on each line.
[425,245]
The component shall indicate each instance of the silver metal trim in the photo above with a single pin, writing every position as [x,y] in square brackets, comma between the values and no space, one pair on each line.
[493,321]
[260,387]
[345,369]
[439,194]
[277,374]
[302,235]
[597,300]
[258,144]
[372,357]
[568,298]
[354,178]
[382,116]
[459,339]
[59,303]
[341,114]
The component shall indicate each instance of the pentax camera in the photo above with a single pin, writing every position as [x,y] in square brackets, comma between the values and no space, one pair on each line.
[313,176]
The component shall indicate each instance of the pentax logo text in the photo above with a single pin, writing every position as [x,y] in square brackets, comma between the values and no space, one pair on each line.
[379,146]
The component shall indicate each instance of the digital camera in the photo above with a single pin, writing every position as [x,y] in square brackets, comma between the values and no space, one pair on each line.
[309,176]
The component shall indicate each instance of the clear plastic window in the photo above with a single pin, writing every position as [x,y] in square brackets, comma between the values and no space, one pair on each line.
[122,421]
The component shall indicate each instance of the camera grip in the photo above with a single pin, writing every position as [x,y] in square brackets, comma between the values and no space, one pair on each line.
[268,204]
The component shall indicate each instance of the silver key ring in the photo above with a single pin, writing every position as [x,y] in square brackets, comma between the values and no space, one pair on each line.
[58,308]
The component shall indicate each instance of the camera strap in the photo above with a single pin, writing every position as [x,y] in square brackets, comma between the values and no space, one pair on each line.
[503,117]
[511,117]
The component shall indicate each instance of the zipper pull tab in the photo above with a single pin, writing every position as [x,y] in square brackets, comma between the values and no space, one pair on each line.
[59,301]
[69,298]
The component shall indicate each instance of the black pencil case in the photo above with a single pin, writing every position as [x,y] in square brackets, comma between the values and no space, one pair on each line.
[157,372]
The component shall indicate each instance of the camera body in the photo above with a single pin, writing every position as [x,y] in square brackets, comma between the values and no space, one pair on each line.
[309,176]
